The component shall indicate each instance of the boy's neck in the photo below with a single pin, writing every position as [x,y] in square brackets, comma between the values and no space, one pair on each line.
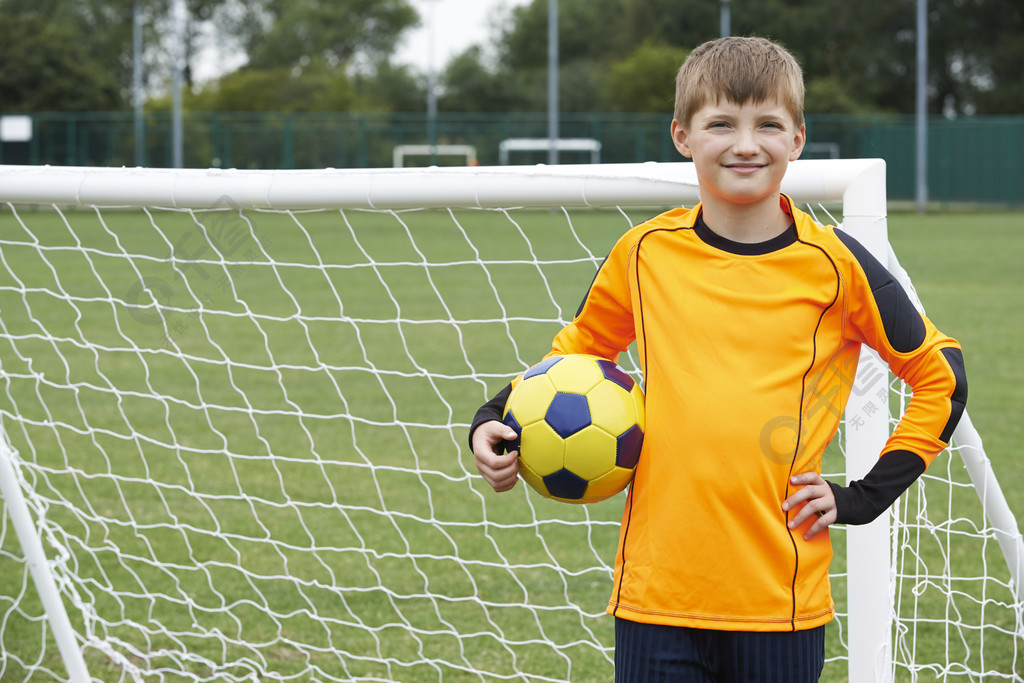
[748,224]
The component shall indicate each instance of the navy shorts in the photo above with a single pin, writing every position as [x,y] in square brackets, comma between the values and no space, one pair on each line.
[651,652]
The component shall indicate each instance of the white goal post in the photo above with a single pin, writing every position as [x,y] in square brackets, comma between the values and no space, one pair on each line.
[402,152]
[233,414]
[590,146]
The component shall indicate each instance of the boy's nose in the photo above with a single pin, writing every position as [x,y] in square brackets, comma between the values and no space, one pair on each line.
[745,143]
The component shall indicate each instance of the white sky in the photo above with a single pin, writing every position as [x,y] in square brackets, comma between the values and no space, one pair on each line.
[458,25]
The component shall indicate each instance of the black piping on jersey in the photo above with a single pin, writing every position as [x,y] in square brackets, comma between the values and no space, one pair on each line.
[800,424]
[643,338]
[713,239]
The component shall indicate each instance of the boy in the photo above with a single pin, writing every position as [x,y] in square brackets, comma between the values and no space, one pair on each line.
[748,318]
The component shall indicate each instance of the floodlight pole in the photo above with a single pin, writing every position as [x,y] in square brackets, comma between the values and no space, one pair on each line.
[725,17]
[177,128]
[922,106]
[553,82]
[137,92]
[431,84]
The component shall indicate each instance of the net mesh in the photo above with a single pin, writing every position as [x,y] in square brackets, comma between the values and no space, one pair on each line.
[242,434]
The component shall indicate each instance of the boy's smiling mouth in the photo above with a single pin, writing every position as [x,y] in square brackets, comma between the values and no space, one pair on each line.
[745,167]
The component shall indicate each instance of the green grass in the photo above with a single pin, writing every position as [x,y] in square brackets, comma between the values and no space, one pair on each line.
[967,270]
[289,441]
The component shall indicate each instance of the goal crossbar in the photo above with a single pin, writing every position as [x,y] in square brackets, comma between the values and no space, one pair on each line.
[604,185]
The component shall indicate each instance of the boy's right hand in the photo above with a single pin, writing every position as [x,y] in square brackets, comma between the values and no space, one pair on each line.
[500,471]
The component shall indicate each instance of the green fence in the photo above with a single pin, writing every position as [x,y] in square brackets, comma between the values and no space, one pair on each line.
[976,159]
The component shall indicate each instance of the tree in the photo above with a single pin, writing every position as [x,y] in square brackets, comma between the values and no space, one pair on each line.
[857,56]
[976,53]
[587,29]
[467,84]
[46,65]
[315,55]
[283,32]
[645,80]
[76,55]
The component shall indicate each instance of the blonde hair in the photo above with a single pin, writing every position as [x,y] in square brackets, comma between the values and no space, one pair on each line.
[741,70]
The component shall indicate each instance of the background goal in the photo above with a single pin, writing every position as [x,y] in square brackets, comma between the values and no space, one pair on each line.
[233,409]
[466,154]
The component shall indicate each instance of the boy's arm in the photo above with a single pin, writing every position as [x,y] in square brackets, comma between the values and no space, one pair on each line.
[602,326]
[865,499]
[882,315]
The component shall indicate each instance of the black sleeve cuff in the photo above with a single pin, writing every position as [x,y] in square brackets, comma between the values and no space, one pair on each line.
[865,499]
[492,410]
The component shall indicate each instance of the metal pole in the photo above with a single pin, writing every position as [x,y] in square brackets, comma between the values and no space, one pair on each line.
[553,82]
[137,91]
[177,132]
[725,17]
[39,567]
[431,86]
[922,106]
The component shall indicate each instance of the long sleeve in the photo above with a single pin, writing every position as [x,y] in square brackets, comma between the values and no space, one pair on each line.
[602,326]
[883,316]
[492,410]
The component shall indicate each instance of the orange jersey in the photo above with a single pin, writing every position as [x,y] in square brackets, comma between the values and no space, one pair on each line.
[748,354]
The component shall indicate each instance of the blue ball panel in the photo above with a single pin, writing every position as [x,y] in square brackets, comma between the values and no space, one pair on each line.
[514,444]
[627,451]
[568,414]
[616,374]
[565,484]
[541,367]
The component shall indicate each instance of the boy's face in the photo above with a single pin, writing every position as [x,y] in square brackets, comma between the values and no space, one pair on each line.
[741,151]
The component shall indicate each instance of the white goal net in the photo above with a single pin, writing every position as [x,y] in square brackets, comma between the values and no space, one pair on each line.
[234,410]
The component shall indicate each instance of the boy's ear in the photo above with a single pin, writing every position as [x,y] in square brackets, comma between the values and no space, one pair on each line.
[680,139]
[799,140]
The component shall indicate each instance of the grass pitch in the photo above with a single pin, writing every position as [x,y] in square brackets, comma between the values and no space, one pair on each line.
[251,430]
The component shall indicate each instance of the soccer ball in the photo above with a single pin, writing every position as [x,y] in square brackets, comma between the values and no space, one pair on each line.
[580,426]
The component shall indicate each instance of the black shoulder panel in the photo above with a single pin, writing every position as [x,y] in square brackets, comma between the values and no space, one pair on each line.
[958,400]
[903,325]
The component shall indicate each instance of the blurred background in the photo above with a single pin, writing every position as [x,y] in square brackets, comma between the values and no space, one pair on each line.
[342,83]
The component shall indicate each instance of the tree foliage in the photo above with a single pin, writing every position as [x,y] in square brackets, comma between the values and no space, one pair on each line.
[857,56]
[644,81]
[76,55]
[284,32]
[614,55]
[46,64]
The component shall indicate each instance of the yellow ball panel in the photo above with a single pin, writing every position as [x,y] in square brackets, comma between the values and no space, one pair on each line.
[530,399]
[532,478]
[542,449]
[608,485]
[576,374]
[638,401]
[590,452]
[611,408]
